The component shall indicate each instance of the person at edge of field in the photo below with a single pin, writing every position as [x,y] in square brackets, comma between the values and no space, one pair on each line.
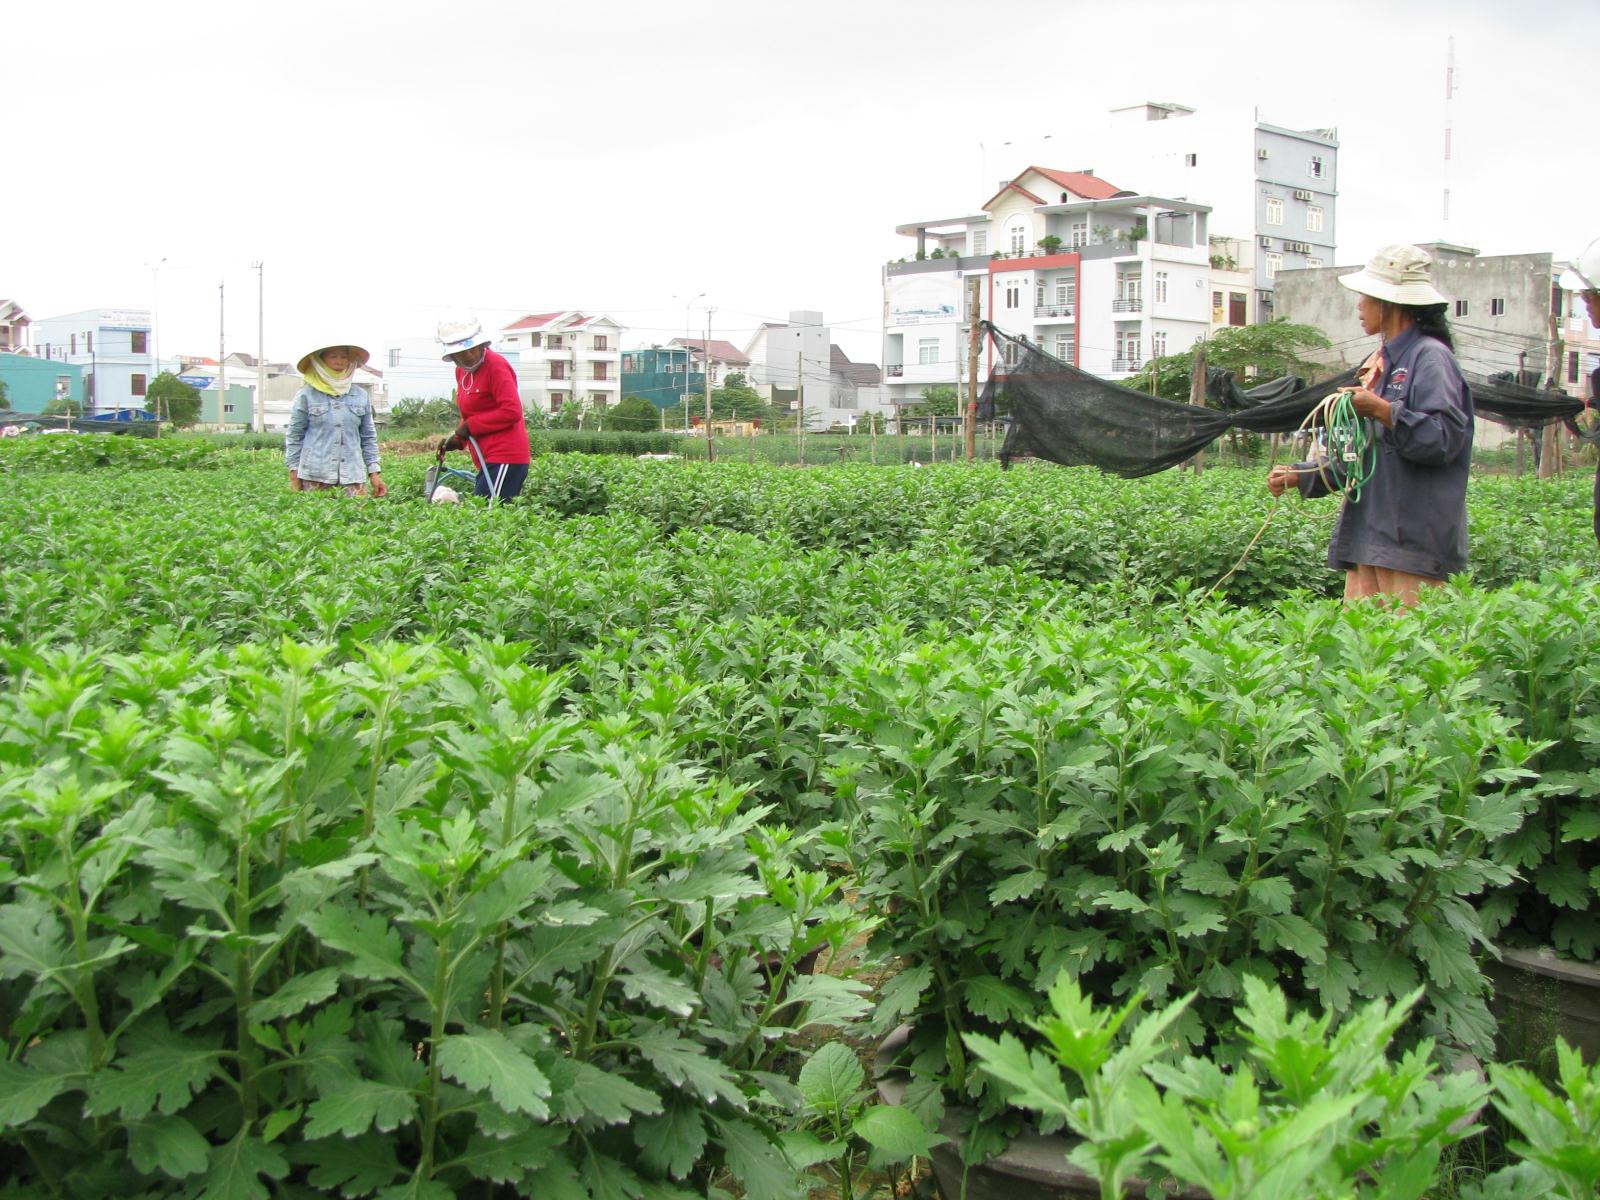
[1583,277]
[1409,526]
[331,441]
[491,410]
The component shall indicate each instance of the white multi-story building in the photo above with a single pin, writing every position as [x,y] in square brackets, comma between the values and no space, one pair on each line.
[13,328]
[838,392]
[112,345]
[1100,278]
[1274,189]
[565,357]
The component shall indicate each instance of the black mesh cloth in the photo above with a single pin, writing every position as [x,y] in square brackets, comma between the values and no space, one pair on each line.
[1070,417]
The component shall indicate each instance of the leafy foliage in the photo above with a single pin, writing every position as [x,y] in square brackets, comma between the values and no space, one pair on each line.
[1272,349]
[171,399]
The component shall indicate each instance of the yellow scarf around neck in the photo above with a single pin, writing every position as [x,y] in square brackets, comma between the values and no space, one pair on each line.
[325,381]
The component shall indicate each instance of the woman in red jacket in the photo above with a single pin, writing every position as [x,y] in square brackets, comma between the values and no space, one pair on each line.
[491,410]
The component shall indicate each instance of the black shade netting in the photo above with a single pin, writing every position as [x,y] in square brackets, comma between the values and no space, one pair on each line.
[1067,416]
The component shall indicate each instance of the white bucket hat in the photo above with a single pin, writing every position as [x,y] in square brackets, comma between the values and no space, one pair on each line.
[358,352]
[1398,274]
[1583,274]
[462,333]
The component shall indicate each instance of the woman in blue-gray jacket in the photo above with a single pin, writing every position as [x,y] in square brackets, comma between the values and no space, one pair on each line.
[1408,528]
[332,441]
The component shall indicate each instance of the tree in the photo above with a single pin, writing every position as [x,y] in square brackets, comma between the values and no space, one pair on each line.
[437,412]
[937,401]
[171,399]
[736,400]
[1274,349]
[61,406]
[634,413]
[5,402]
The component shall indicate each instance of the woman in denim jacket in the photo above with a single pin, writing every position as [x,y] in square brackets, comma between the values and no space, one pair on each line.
[332,441]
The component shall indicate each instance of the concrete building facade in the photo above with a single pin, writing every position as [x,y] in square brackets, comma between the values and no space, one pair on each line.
[112,345]
[564,358]
[33,383]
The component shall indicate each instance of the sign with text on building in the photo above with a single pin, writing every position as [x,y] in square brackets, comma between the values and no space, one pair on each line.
[921,300]
[198,381]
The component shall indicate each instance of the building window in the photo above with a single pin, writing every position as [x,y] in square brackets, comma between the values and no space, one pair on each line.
[1191,160]
[1314,262]
[1161,287]
[63,386]
[558,370]
[1066,289]
[1217,312]
[1274,264]
[394,359]
[1238,303]
[138,338]
[596,400]
[554,342]
[556,401]
[1018,235]
[927,351]
[1314,166]
[533,340]
[1080,234]
[627,363]
[1274,210]
[980,241]
[1013,295]
[227,408]
[1572,367]
[1065,349]
[138,384]
[1462,308]
[1497,307]
[72,345]
[1038,294]
[1158,343]
[600,342]
[1313,218]
[600,370]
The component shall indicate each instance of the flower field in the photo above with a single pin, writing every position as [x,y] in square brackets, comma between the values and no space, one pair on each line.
[573,849]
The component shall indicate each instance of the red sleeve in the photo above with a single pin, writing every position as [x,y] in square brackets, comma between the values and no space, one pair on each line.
[498,407]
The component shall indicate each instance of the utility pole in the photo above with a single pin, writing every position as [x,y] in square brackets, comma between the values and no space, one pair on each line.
[1197,394]
[1550,460]
[261,346]
[800,391]
[711,449]
[222,357]
[970,426]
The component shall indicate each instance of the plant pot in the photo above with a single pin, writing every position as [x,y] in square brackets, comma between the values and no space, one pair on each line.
[1538,996]
[1033,1167]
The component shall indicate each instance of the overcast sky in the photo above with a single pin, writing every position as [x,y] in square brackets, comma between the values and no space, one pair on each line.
[390,161]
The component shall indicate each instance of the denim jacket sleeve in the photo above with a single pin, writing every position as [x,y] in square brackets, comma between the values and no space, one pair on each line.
[369,440]
[296,435]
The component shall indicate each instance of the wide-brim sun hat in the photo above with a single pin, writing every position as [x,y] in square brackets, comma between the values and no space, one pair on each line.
[1583,273]
[461,333]
[1399,275]
[359,353]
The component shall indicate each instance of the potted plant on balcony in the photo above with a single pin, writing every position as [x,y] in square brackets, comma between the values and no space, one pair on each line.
[1138,233]
[1169,815]
[1050,243]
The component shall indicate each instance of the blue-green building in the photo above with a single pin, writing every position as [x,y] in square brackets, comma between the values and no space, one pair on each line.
[32,383]
[661,374]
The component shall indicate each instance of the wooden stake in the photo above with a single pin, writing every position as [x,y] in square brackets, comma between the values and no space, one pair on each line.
[970,424]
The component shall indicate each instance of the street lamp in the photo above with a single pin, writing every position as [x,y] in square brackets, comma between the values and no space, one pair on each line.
[155,314]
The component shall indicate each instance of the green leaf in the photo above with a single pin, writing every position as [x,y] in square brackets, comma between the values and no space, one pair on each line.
[511,1159]
[237,1167]
[1017,887]
[687,1065]
[672,1142]
[32,941]
[995,999]
[757,1163]
[165,1072]
[355,1166]
[1294,933]
[367,937]
[277,1122]
[487,1060]
[24,1091]
[826,1000]
[417,1188]
[641,981]
[167,1144]
[1581,825]
[298,993]
[895,1132]
[831,1077]
[351,1105]
[609,1097]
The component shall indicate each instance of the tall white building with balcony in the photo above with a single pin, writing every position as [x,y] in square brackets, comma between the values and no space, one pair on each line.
[565,358]
[113,347]
[1100,278]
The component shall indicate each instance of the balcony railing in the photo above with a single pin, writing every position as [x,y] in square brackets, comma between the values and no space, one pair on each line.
[896,370]
[1128,306]
[1127,364]
[1054,312]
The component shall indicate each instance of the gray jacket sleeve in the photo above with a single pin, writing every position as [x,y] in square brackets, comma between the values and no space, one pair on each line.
[1430,425]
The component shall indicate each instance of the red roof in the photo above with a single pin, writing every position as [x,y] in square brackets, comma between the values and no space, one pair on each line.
[721,351]
[1090,187]
[532,321]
